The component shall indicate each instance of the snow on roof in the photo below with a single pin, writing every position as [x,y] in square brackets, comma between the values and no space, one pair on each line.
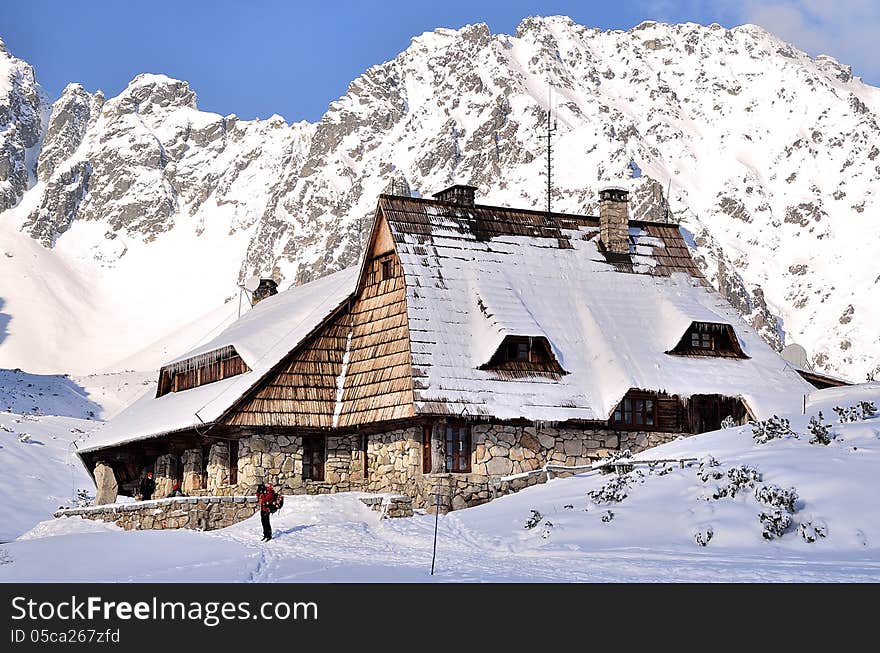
[262,337]
[609,329]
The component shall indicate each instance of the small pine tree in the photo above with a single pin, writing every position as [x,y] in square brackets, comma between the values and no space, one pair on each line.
[820,431]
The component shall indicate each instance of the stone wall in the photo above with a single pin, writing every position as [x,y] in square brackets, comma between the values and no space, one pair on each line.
[277,459]
[202,513]
[206,513]
[191,461]
[165,474]
[394,462]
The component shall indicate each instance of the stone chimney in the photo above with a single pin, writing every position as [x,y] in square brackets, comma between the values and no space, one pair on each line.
[267,288]
[459,194]
[614,219]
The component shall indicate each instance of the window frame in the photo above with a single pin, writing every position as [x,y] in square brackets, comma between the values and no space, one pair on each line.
[624,416]
[457,434]
[314,448]
[386,268]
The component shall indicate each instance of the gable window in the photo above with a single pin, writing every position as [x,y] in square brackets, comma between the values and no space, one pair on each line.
[313,458]
[387,269]
[635,412]
[709,339]
[458,448]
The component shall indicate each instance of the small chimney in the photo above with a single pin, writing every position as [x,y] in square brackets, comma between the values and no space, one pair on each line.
[614,219]
[459,194]
[267,288]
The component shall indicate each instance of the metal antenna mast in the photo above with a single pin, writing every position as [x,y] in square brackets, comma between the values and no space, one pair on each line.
[551,129]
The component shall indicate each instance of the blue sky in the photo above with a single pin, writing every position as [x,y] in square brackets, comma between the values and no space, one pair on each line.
[259,57]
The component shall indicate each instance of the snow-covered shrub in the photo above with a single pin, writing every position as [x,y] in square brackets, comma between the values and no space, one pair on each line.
[845,415]
[607,516]
[616,456]
[703,534]
[568,506]
[82,499]
[5,558]
[819,430]
[777,497]
[532,521]
[24,437]
[811,531]
[738,478]
[547,526]
[770,429]
[861,411]
[705,471]
[616,489]
[775,523]
[728,422]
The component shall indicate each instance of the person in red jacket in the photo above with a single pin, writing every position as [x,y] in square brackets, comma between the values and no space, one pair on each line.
[266,496]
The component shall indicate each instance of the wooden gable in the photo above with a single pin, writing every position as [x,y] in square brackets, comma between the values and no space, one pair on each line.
[365,346]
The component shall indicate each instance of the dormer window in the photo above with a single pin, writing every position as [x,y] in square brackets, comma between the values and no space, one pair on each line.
[200,370]
[524,356]
[519,349]
[709,339]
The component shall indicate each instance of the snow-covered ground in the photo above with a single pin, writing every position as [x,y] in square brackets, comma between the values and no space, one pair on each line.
[650,537]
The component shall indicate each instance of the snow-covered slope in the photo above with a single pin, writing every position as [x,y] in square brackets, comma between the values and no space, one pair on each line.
[649,531]
[148,211]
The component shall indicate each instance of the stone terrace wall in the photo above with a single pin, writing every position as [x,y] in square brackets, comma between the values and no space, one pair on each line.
[198,513]
[206,513]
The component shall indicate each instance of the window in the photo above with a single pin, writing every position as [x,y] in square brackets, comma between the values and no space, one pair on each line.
[518,350]
[387,269]
[233,462]
[427,461]
[313,458]
[458,448]
[702,340]
[365,440]
[635,412]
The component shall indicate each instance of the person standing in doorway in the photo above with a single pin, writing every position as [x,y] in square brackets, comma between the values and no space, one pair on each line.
[148,486]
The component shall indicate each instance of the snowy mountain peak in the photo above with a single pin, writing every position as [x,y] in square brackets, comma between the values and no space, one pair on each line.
[770,158]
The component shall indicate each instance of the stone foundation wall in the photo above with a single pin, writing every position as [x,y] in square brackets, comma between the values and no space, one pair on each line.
[206,513]
[198,513]
[394,462]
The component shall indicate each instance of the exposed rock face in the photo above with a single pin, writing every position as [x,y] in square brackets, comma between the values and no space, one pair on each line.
[67,126]
[21,109]
[704,107]
[106,485]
